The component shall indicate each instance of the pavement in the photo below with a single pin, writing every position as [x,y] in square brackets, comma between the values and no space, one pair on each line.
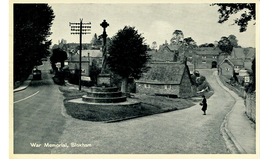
[24,85]
[238,131]
[237,126]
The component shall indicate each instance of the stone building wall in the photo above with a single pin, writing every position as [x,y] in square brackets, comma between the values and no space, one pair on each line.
[226,69]
[250,105]
[151,89]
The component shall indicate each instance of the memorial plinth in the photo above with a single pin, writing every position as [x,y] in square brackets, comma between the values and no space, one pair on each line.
[104,95]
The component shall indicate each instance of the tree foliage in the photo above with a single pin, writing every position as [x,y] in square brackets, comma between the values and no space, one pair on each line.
[32,24]
[177,37]
[233,40]
[189,42]
[127,53]
[228,9]
[225,45]
[58,55]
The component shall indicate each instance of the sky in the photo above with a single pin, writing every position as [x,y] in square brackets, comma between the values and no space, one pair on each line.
[155,21]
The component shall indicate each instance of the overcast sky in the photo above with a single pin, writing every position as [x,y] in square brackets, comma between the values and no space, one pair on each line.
[155,21]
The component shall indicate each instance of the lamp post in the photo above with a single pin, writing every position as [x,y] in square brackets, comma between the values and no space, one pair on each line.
[80,28]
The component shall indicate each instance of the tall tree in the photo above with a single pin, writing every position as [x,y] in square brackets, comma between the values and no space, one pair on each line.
[177,37]
[58,55]
[225,45]
[227,9]
[32,24]
[233,40]
[127,55]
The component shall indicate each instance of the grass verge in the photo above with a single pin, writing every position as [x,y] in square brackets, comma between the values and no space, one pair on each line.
[149,105]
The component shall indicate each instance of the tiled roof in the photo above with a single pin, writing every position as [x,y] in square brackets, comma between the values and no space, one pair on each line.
[92,53]
[164,73]
[76,58]
[237,62]
[234,62]
[161,56]
[208,51]
[239,53]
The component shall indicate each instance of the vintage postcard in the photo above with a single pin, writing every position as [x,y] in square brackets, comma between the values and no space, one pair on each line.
[112,79]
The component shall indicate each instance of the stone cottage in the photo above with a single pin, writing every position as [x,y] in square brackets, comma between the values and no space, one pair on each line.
[171,78]
[230,66]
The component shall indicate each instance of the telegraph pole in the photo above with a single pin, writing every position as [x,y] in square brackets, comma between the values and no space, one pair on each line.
[76,28]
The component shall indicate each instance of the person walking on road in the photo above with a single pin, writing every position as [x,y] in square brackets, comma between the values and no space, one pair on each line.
[204,105]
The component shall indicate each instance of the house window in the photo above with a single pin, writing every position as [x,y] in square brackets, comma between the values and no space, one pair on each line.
[167,86]
[214,57]
[227,69]
[236,66]
[204,57]
[203,61]
[146,86]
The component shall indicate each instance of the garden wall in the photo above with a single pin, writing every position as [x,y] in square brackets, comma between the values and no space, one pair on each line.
[250,104]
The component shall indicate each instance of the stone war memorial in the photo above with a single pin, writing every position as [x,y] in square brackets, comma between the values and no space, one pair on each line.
[104,94]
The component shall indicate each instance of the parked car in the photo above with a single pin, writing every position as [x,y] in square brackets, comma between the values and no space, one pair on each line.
[37,74]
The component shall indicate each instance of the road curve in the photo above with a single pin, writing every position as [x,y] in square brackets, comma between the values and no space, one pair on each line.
[179,132]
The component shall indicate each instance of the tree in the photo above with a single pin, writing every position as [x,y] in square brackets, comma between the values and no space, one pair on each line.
[177,37]
[189,42]
[225,45]
[94,39]
[154,45]
[227,9]
[32,24]
[233,40]
[127,55]
[58,55]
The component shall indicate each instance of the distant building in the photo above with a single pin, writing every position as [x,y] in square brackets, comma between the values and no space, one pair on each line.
[206,58]
[93,55]
[166,78]
[73,64]
[230,66]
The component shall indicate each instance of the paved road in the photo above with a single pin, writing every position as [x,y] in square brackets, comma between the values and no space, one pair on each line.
[179,132]
[37,115]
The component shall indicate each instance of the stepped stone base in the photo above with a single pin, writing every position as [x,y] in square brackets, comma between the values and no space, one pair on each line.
[104,100]
[129,102]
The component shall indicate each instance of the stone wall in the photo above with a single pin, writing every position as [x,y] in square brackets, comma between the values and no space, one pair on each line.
[250,105]
[151,89]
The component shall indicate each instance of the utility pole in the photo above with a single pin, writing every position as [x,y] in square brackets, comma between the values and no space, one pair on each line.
[80,28]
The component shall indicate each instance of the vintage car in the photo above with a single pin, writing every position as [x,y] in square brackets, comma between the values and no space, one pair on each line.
[37,74]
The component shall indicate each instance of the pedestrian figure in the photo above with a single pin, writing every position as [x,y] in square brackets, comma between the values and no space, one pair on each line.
[204,105]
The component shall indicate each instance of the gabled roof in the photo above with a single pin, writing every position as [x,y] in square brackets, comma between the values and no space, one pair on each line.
[237,62]
[208,51]
[233,62]
[174,47]
[164,73]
